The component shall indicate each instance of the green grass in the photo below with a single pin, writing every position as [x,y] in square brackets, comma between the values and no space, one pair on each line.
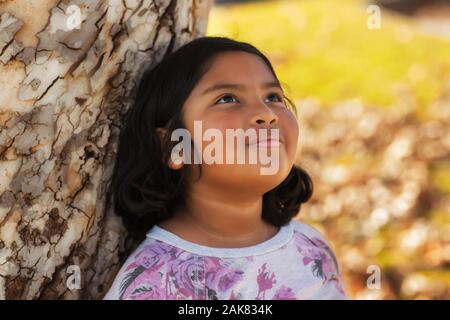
[323,49]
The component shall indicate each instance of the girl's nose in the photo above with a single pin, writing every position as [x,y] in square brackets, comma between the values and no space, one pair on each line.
[264,116]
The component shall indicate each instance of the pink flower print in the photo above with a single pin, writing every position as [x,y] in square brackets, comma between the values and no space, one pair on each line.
[317,253]
[220,275]
[284,293]
[151,254]
[265,281]
[143,280]
[188,275]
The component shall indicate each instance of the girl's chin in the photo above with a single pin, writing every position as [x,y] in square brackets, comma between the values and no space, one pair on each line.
[247,178]
[258,172]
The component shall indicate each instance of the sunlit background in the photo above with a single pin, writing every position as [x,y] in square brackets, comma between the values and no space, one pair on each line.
[373,98]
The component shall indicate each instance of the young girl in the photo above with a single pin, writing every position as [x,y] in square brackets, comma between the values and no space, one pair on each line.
[215,230]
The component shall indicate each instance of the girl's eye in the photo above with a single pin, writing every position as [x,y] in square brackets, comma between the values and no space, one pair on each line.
[277,97]
[229,98]
[225,98]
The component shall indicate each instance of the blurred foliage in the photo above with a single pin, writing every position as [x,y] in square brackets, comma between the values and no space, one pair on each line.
[380,155]
[322,48]
[381,194]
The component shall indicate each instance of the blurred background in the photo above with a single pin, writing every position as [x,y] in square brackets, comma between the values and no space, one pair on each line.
[371,81]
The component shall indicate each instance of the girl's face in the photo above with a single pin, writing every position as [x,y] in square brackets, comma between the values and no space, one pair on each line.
[240,92]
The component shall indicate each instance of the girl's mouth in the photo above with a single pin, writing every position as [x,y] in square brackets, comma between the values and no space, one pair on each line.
[266,143]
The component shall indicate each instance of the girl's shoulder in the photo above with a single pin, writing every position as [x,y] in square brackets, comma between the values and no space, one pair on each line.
[309,239]
[307,229]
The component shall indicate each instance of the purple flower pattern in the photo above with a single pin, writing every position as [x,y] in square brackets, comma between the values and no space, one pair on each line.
[318,254]
[159,270]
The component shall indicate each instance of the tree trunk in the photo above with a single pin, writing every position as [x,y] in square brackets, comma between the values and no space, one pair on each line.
[67,73]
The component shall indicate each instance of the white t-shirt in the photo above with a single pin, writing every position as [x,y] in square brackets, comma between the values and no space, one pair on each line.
[296,263]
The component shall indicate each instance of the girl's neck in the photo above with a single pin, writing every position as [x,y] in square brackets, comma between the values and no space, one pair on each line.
[220,221]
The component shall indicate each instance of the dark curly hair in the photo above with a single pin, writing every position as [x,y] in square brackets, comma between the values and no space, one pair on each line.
[145,190]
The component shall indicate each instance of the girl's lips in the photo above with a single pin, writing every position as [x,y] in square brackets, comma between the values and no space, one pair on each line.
[268,143]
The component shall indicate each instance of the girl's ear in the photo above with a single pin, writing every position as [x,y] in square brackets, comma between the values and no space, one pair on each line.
[175,163]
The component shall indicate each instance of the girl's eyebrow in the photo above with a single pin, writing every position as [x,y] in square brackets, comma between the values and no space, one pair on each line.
[236,86]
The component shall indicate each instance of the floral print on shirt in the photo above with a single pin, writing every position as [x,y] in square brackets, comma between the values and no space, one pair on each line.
[159,270]
[321,258]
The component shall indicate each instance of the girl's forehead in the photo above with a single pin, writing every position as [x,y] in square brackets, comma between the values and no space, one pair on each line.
[237,61]
[232,67]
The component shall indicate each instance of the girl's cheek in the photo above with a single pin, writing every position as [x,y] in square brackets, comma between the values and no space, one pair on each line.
[289,121]
[291,130]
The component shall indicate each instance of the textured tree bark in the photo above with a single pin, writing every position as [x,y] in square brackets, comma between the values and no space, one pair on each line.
[67,73]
